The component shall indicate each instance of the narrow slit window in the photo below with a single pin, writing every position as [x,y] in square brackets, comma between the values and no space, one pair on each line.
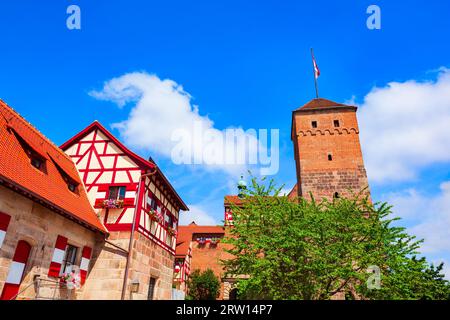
[314,124]
[336,123]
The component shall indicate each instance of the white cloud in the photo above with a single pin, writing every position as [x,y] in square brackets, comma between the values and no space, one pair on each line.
[406,127]
[428,218]
[163,120]
[198,215]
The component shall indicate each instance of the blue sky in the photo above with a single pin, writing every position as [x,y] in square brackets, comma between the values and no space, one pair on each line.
[246,65]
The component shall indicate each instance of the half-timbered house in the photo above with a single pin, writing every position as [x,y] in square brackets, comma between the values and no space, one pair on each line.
[138,205]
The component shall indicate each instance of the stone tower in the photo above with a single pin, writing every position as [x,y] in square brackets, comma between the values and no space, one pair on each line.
[328,155]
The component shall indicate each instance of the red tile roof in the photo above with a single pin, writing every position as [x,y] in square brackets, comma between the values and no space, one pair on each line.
[321,104]
[47,185]
[185,234]
[230,200]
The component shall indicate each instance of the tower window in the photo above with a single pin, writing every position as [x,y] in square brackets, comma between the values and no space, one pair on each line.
[314,124]
[336,123]
[330,157]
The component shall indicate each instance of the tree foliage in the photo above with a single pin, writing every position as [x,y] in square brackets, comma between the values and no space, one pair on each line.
[203,285]
[310,249]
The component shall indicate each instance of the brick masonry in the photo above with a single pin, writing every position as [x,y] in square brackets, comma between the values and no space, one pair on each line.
[318,174]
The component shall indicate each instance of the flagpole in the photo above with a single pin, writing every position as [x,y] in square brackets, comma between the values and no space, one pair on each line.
[314,73]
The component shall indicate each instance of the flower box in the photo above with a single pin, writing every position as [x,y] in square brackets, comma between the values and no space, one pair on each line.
[71,280]
[214,241]
[112,204]
[154,216]
[172,231]
[201,240]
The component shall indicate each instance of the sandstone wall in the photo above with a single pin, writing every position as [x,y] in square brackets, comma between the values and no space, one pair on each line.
[39,227]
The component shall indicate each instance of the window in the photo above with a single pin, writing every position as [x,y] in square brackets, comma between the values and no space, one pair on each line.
[37,162]
[336,123]
[314,124]
[151,202]
[330,157]
[168,219]
[116,193]
[69,259]
[151,288]
[72,187]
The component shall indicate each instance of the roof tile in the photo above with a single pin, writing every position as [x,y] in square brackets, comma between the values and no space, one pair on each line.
[49,184]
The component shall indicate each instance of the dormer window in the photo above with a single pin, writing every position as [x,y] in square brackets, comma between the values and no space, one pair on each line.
[37,162]
[314,124]
[336,123]
[72,187]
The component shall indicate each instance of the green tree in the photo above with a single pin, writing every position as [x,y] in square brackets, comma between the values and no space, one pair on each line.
[316,249]
[203,285]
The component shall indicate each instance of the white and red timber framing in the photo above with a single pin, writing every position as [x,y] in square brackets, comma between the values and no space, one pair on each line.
[59,209]
[104,162]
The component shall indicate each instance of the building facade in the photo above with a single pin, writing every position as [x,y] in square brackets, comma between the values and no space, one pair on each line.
[131,196]
[97,211]
[47,225]
[204,249]
[328,157]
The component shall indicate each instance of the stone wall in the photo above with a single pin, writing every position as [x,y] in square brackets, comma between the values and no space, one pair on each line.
[105,281]
[39,227]
[149,260]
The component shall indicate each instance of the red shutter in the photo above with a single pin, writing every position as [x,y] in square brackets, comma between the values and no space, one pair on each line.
[16,269]
[4,223]
[58,256]
[84,265]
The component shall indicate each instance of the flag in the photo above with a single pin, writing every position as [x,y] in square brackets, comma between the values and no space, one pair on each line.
[316,68]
